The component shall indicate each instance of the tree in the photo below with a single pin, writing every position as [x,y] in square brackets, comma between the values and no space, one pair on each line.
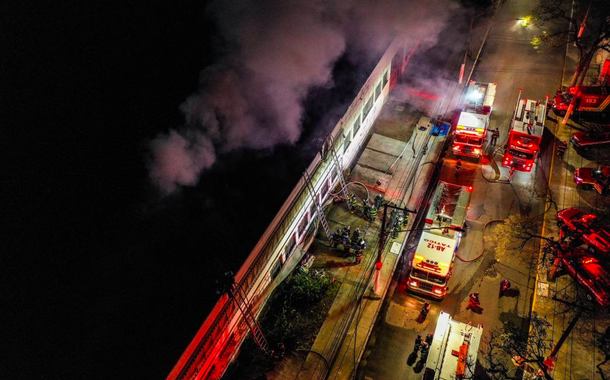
[587,25]
[512,342]
[588,28]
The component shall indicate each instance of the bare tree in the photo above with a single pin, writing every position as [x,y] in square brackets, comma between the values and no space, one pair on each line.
[586,23]
[514,343]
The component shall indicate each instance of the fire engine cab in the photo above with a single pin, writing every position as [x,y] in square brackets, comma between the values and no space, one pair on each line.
[471,129]
[435,252]
[525,134]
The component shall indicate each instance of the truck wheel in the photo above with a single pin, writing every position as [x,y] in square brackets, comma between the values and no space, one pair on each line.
[589,297]
[586,187]
[586,148]
[561,113]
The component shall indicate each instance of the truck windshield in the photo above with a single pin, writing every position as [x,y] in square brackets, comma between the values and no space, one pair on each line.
[465,139]
[429,276]
[525,142]
[516,153]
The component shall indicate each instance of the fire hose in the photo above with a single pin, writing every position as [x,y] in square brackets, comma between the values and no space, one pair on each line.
[483,248]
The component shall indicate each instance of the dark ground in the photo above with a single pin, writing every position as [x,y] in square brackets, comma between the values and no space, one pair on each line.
[102,278]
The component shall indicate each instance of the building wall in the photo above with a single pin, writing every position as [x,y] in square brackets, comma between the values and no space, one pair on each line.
[281,246]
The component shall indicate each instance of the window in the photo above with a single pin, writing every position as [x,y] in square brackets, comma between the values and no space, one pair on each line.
[356,125]
[385,78]
[290,247]
[276,269]
[312,211]
[324,190]
[377,91]
[347,141]
[428,276]
[367,108]
[301,227]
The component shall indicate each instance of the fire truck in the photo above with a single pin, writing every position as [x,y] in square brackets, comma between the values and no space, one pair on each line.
[525,134]
[592,102]
[471,129]
[454,349]
[433,259]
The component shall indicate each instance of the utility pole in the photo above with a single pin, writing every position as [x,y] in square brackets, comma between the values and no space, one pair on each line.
[382,240]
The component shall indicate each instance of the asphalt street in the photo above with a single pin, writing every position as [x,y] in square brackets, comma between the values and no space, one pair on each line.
[509,60]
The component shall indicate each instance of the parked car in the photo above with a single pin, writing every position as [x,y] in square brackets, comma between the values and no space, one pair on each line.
[585,227]
[593,178]
[588,273]
[596,136]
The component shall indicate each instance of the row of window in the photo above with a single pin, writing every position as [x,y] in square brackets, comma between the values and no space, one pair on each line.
[298,235]
[350,134]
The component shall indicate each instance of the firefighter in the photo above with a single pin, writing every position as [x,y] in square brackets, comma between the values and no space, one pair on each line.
[352,202]
[359,252]
[356,236]
[504,286]
[345,235]
[494,136]
[425,348]
[458,167]
[347,231]
[334,239]
[418,343]
[405,218]
[473,301]
[396,229]
[562,148]
[378,201]
[372,213]
[365,207]
[429,338]
[361,246]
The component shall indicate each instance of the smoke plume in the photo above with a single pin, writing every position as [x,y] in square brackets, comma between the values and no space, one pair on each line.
[274,52]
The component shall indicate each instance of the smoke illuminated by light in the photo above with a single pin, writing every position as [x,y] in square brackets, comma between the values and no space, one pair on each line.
[274,53]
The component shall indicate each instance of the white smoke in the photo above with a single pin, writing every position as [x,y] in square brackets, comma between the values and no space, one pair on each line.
[275,52]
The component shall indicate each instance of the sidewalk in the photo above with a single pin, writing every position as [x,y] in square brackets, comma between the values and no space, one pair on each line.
[579,354]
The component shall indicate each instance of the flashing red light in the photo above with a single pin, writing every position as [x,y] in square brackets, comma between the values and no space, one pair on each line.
[469,189]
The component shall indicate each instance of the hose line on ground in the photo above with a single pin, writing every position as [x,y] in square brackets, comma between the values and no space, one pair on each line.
[483,248]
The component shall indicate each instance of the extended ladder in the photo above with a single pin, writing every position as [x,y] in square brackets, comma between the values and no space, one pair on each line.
[338,167]
[244,306]
[316,202]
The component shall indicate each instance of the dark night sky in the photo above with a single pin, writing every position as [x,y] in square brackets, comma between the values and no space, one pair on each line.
[101,277]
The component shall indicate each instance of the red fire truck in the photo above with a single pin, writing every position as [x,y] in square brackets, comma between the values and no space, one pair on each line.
[471,129]
[525,134]
[435,252]
[592,102]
